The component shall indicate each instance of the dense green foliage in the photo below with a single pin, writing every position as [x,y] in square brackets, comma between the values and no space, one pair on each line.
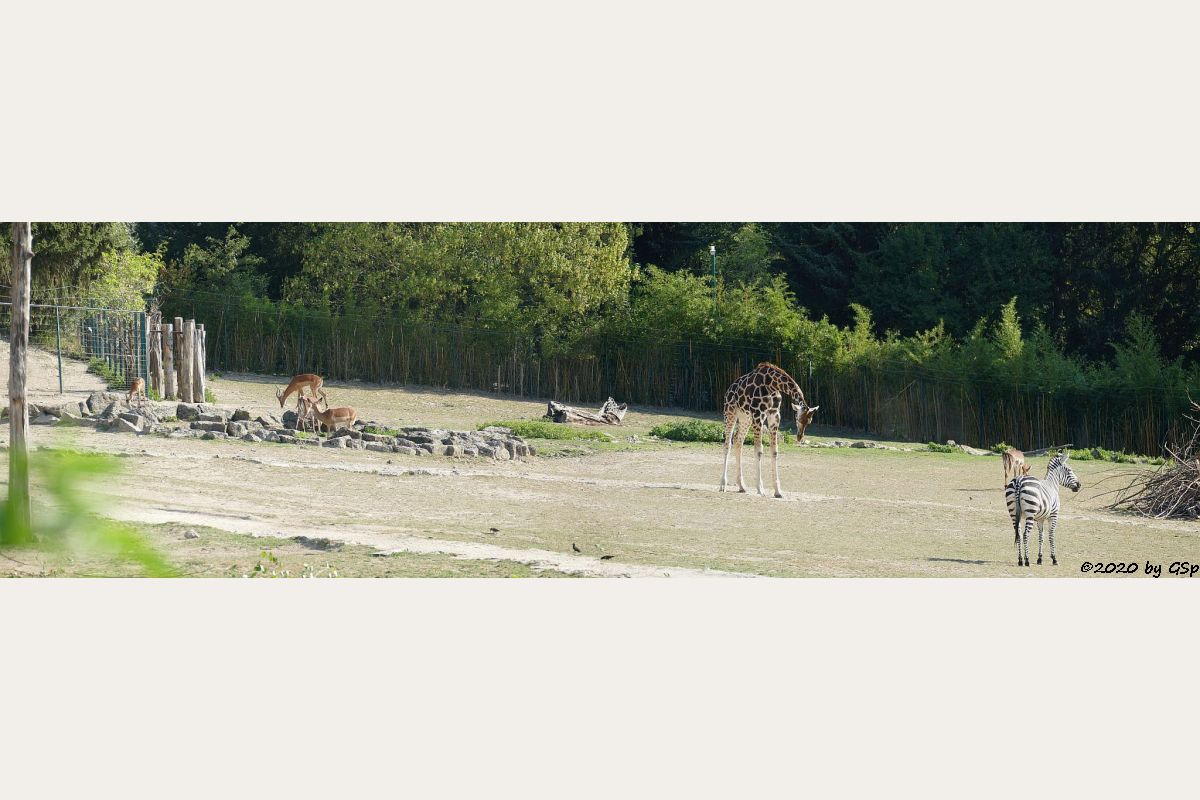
[989,329]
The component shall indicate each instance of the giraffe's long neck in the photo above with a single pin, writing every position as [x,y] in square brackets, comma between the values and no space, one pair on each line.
[784,383]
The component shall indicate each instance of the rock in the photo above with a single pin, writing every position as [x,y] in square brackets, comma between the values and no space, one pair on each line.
[211,427]
[863,444]
[422,438]
[470,452]
[501,454]
[496,429]
[271,436]
[353,434]
[123,425]
[486,451]
[236,429]
[251,437]
[377,447]
[377,437]
[405,442]
[44,419]
[210,417]
[951,442]
[213,435]
[318,543]
[187,411]
[190,534]
[290,420]
[339,441]
[240,415]
[405,451]
[267,420]
[352,443]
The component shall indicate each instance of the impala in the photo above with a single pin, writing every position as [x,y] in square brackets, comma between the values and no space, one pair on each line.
[331,418]
[1014,464]
[136,389]
[301,382]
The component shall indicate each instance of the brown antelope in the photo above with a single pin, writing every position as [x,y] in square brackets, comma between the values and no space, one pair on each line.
[136,389]
[1014,464]
[331,418]
[301,382]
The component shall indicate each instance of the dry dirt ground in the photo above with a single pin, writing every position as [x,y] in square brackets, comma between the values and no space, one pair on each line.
[653,506]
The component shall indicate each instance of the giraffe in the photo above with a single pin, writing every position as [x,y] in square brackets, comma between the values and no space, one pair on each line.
[756,400]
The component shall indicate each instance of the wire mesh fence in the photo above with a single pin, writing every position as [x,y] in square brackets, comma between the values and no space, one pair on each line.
[113,343]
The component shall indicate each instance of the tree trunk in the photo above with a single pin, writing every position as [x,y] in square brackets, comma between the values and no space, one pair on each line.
[18,520]
[609,414]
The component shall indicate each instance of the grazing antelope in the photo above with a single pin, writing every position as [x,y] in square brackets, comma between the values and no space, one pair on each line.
[1014,464]
[1031,500]
[331,418]
[136,389]
[301,382]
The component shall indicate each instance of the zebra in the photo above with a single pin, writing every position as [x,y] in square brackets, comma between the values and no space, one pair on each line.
[1031,500]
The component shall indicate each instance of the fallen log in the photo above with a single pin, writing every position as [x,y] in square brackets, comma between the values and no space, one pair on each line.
[611,413]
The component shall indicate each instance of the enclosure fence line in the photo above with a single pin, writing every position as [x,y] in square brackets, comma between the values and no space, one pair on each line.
[121,345]
[900,401]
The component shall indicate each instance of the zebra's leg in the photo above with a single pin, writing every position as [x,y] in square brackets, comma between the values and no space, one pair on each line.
[730,430]
[758,453]
[775,459]
[1040,543]
[1053,525]
[1025,538]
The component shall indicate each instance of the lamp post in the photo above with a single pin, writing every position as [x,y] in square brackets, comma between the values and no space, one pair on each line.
[712,249]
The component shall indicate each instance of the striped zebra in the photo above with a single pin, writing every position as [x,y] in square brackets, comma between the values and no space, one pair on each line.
[1031,500]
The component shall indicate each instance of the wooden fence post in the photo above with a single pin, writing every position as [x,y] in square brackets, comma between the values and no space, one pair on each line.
[168,361]
[177,346]
[18,521]
[198,366]
[156,367]
[186,354]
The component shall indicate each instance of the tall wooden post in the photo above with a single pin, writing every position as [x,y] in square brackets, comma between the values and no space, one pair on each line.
[168,361]
[198,365]
[156,369]
[17,524]
[178,347]
[187,375]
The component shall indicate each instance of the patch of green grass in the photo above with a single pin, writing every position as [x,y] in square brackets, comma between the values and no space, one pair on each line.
[1115,456]
[381,431]
[540,429]
[700,430]
[1000,447]
[209,397]
[114,379]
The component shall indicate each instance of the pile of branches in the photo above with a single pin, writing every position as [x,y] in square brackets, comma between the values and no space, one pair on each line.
[1173,491]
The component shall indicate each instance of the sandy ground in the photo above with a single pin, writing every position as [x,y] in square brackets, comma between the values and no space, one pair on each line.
[42,377]
[653,506]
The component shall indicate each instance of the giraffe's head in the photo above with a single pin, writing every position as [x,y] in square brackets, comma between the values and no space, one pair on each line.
[804,418]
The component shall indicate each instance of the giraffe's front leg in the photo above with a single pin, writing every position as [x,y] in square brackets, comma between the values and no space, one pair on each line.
[739,437]
[775,459]
[730,430]
[758,453]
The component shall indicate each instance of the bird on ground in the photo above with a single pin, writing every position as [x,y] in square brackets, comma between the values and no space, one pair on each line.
[605,558]
[575,547]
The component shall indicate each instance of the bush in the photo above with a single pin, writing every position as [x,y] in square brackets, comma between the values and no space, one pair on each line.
[209,397]
[934,447]
[699,430]
[1000,447]
[540,429]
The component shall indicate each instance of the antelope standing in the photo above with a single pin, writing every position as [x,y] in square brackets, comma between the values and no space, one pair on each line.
[1014,464]
[331,418]
[301,382]
[136,389]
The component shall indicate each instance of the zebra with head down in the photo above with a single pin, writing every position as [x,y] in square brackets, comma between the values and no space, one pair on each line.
[1031,500]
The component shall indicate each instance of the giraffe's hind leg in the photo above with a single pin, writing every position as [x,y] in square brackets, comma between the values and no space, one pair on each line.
[775,459]
[739,437]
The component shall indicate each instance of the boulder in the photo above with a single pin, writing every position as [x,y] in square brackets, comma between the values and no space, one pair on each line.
[290,420]
[210,427]
[187,411]
[251,437]
[353,434]
[337,441]
[208,416]
[240,415]
[213,435]
[267,420]
[44,419]
[405,451]
[123,425]
[377,447]
[236,429]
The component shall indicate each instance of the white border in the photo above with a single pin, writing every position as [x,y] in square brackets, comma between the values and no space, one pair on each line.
[630,110]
